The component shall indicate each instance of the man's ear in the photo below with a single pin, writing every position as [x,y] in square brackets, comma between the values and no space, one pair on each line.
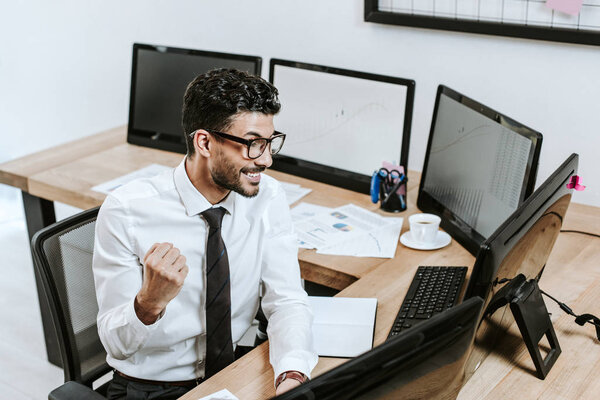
[202,142]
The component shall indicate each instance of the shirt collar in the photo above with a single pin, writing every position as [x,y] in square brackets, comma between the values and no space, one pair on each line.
[193,201]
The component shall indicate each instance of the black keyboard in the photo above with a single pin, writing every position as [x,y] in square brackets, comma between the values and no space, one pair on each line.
[432,290]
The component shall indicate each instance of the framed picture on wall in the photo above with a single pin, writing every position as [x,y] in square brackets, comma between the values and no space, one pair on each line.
[531,19]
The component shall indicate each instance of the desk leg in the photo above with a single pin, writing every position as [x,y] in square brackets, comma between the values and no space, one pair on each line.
[39,213]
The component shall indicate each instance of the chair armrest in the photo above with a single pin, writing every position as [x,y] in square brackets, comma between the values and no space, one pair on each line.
[74,391]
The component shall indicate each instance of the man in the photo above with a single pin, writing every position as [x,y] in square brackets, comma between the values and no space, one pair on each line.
[179,258]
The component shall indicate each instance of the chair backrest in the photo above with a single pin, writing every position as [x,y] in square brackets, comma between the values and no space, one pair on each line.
[62,254]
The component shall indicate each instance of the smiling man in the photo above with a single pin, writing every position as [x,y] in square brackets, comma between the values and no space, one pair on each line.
[179,259]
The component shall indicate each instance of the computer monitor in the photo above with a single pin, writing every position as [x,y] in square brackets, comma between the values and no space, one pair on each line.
[424,362]
[434,358]
[521,245]
[479,166]
[159,77]
[340,124]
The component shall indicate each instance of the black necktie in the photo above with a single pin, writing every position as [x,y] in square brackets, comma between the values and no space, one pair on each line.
[219,348]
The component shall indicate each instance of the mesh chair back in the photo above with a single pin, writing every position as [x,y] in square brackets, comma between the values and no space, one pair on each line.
[63,256]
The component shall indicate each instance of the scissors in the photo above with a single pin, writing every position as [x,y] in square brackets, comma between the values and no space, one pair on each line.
[402,179]
[388,178]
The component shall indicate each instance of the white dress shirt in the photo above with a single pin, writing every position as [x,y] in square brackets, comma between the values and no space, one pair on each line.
[262,250]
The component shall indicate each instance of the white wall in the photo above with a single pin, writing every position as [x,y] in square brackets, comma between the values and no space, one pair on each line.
[65,66]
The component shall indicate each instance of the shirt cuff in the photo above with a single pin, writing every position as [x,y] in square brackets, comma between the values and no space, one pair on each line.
[292,364]
[138,326]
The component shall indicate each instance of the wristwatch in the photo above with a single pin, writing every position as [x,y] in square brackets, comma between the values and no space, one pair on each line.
[298,376]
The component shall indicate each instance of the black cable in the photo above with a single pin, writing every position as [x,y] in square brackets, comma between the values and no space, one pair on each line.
[581,232]
[562,306]
[583,318]
[579,319]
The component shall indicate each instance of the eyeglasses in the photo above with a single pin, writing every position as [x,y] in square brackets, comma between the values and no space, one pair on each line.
[256,146]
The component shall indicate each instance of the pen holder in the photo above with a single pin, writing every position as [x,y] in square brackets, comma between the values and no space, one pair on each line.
[389,188]
[390,200]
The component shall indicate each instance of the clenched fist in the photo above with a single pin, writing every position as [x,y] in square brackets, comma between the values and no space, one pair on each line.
[164,273]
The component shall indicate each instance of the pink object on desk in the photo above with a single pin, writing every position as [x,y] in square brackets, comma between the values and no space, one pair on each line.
[390,167]
[574,184]
[572,7]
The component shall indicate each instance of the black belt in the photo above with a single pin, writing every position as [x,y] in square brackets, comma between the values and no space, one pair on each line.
[188,383]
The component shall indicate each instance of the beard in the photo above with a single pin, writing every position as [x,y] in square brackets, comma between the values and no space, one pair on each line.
[227,176]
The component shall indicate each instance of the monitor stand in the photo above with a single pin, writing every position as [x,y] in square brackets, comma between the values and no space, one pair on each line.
[533,320]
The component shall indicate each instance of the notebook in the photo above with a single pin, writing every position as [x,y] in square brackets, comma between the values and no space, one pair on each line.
[343,326]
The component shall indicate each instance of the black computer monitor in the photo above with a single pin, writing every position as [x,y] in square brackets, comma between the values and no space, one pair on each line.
[520,246]
[424,362]
[159,77]
[340,124]
[479,166]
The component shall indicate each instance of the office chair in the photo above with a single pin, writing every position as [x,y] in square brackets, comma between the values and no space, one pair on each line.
[261,332]
[62,254]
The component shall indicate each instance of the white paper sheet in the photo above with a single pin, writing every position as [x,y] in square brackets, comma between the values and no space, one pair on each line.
[381,242]
[346,231]
[343,326]
[220,395]
[306,210]
[340,224]
[294,192]
[146,172]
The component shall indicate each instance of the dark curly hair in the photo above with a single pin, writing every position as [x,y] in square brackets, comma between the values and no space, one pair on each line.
[213,99]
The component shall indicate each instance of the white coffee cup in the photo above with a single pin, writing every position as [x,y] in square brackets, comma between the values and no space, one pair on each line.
[424,228]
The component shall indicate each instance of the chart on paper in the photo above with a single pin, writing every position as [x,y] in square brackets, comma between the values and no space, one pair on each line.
[517,12]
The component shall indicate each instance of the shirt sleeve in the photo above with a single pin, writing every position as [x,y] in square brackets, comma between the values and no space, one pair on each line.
[285,302]
[118,278]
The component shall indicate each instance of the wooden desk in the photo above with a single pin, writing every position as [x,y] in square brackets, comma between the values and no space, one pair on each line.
[70,182]
[17,172]
[39,210]
[68,172]
[251,377]
[571,274]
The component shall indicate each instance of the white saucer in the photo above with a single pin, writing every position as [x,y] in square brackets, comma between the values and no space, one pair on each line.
[442,240]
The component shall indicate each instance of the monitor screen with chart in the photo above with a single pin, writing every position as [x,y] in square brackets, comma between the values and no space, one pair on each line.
[340,124]
[479,167]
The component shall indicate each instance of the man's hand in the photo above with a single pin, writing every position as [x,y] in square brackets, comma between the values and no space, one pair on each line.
[285,385]
[164,273]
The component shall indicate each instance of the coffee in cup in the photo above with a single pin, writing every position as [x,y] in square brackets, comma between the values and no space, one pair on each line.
[424,228]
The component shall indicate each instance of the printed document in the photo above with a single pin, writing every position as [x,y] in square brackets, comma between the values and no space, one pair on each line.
[381,242]
[341,224]
[307,210]
[348,230]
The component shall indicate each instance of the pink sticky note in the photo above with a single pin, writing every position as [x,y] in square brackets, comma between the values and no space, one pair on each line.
[390,167]
[571,7]
[574,184]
